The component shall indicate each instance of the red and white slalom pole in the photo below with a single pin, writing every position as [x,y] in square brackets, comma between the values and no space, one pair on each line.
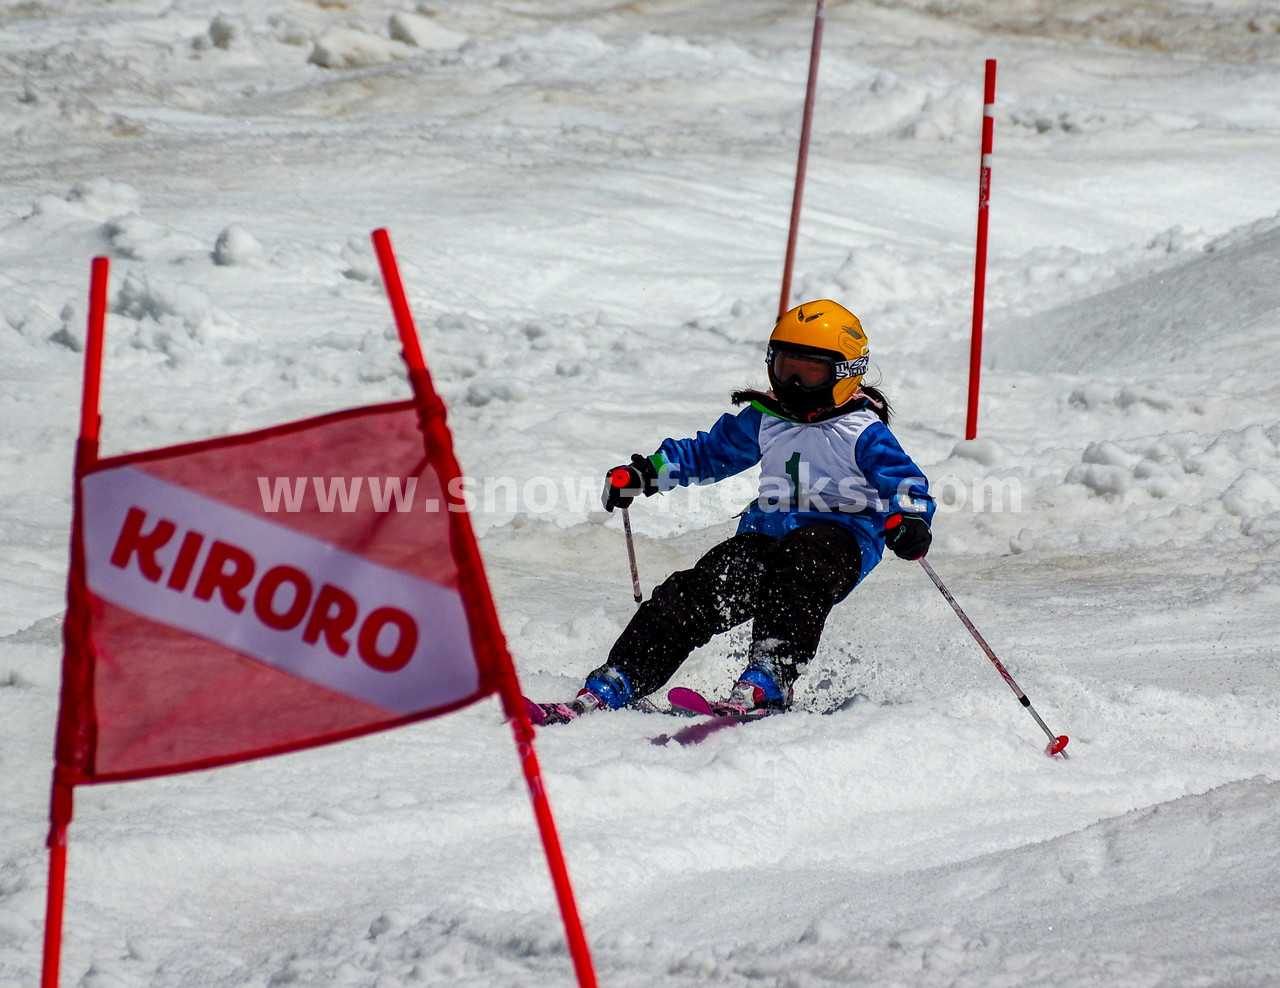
[802,158]
[980,257]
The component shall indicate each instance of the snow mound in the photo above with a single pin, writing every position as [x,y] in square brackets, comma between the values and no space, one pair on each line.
[139,239]
[1195,318]
[1149,876]
[224,32]
[1230,29]
[172,319]
[236,246]
[424,32]
[98,199]
[350,48]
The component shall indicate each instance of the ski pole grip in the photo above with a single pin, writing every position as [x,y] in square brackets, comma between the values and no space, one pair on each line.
[620,478]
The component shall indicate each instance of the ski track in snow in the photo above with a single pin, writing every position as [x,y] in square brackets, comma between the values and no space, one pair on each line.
[590,204]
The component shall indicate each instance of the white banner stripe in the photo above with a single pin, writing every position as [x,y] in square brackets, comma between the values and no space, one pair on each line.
[285,598]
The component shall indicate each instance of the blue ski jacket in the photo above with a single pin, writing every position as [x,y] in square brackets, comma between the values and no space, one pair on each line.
[848,469]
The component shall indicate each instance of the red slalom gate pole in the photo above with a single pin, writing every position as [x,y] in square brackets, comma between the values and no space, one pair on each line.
[980,258]
[575,936]
[802,158]
[1057,742]
[62,794]
[60,813]
[480,602]
[90,418]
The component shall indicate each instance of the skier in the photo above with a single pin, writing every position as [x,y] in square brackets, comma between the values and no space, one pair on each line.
[835,488]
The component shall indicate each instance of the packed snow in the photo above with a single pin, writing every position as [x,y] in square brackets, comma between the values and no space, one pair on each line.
[590,203]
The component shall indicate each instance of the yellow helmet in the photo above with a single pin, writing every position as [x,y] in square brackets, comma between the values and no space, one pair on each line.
[817,357]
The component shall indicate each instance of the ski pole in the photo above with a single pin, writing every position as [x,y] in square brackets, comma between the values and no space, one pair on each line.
[620,478]
[631,556]
[1057,743]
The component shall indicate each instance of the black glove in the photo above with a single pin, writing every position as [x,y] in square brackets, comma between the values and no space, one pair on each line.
[907,535]
[624,484]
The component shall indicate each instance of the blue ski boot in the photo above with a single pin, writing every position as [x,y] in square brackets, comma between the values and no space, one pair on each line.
[607,688]
[755,691]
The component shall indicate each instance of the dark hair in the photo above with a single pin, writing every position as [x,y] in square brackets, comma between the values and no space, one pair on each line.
[885,409]
[876,401]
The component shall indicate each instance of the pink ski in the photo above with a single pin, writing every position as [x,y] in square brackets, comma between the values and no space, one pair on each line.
[692,702]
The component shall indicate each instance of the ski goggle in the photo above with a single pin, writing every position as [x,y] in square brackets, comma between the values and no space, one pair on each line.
[811,370]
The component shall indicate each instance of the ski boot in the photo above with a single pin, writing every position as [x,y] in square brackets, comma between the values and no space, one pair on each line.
[755,692]
[606,688]
[543,714]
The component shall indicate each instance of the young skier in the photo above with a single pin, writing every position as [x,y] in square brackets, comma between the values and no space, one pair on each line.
[835,488]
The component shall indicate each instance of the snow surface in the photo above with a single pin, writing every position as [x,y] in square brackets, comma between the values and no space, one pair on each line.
[590,204]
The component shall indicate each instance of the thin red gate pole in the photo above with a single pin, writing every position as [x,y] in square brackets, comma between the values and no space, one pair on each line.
[61,801]
[60,811]
[475,587]
[802,158]
[980,259]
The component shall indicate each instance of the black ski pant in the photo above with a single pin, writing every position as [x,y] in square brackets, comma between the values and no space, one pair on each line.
[788,585]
